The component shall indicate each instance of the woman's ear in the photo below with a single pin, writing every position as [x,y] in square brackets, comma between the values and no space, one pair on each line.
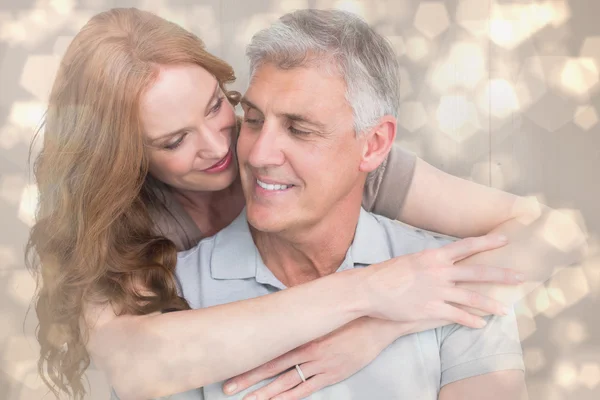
[377,144]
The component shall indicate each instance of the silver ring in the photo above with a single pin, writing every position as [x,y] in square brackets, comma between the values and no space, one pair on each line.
[300,373]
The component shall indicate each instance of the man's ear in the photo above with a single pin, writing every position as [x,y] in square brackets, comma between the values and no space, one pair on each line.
[377,144]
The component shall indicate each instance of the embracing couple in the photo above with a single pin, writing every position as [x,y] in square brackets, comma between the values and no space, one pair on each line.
[180,247]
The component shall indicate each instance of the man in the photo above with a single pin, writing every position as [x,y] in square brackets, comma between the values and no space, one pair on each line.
[320,115]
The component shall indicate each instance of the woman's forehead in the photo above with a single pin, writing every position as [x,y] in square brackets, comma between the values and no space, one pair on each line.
[179,95]
[176,82]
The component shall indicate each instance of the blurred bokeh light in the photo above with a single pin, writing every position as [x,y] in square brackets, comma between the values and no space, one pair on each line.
[502,92]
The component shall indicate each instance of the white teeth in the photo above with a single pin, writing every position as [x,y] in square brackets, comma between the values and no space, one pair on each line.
[268,186]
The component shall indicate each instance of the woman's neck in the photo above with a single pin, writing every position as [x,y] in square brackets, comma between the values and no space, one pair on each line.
[212,211]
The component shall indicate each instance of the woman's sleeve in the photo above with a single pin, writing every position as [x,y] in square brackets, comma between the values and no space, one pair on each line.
[387,186]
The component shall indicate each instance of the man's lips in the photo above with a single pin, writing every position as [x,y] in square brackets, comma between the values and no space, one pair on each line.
[269,185]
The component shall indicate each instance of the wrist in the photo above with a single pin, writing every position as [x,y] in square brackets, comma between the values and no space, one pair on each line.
[354,292]
[393,330]
[384,332]
[526,210]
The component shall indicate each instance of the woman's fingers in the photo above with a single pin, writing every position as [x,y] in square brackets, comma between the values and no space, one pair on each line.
[284,382]
[483,273]
[453,314]
[305,389]
[265,371]
[475,300]
[467,247]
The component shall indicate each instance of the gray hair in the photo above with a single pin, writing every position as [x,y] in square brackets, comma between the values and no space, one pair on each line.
[363,58]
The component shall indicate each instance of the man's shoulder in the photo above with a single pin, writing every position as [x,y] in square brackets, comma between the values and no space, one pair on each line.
[204,247]
[228,239]
[405,239]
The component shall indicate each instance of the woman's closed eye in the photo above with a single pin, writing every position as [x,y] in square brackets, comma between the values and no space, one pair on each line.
[217,105]
[176,143]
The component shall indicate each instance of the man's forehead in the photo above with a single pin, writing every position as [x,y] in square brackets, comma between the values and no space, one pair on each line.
[305,87]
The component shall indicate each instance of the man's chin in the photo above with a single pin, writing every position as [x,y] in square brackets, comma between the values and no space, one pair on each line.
[264,220]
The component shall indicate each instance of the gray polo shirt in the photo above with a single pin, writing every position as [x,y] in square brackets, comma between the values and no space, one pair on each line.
[228,267]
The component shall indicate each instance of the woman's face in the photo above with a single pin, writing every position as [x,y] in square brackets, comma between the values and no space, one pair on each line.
[190,129]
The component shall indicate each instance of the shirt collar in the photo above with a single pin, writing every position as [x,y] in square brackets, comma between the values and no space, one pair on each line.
[371,242]
[235,255]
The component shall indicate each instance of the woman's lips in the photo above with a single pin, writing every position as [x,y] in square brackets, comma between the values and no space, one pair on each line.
[222,165]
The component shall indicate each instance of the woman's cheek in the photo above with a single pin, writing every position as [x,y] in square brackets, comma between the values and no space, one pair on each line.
[180,164]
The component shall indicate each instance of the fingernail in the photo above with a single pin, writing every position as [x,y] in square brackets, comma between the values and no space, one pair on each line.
[230,387]
[481,323]
[502,238]
[504,310]
[520,277]
[253,397]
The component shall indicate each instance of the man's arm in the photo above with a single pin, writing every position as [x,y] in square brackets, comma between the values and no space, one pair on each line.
[474,360]
[501,385]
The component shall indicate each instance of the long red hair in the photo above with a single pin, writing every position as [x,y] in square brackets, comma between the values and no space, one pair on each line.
[94,240]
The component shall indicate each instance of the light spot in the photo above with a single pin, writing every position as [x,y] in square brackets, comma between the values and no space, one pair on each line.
[457,117]
[432,19]
[412,116]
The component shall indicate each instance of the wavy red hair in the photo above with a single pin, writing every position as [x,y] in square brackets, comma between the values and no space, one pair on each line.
[94,239]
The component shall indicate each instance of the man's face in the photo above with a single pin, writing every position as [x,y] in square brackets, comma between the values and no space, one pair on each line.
[298,153]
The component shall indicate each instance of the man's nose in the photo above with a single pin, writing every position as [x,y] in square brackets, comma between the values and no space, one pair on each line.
[266,151]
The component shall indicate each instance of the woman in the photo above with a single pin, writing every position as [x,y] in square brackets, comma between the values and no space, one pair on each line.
[126,179]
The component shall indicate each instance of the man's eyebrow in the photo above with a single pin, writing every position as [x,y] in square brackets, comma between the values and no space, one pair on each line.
[244,100]
[304,119]
[290,116]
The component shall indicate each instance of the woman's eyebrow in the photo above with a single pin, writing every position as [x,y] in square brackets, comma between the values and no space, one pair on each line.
[187,128]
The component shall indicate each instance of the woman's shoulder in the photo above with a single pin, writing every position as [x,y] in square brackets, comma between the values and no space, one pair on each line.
[172,221]
[387,186]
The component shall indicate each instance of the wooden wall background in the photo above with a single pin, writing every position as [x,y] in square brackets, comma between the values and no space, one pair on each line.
[501,92]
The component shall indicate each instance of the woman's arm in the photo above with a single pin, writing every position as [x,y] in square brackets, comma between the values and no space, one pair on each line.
[538,243]
[410,190]
[540,239]
[162,354]
[443,203]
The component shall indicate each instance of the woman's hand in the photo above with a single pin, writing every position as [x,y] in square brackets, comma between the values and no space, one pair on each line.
[422,286]
[324,361]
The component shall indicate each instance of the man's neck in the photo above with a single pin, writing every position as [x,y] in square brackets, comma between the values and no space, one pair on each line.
[312,252]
